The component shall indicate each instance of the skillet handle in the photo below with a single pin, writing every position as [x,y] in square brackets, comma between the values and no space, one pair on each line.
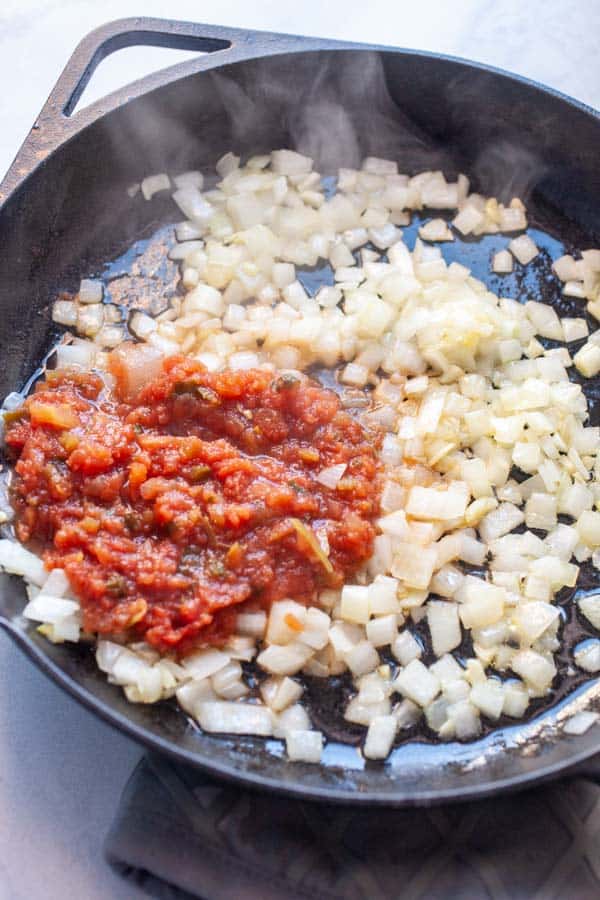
[132,32]
[57,122]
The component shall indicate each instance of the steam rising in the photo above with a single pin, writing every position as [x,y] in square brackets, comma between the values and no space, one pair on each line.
[511,170]
[506,162]
[336,110]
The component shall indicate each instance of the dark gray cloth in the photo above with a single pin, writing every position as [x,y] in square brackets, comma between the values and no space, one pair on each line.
[181,835]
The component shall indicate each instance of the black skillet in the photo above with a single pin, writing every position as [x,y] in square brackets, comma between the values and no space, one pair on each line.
[65,213]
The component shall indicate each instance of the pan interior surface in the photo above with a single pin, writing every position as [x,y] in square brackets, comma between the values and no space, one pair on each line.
[73,218]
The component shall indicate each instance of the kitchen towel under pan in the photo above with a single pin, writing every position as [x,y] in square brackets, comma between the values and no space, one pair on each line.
[181,835]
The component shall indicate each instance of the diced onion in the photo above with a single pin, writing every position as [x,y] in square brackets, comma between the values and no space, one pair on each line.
[18,561]
[523,249]
[153,184]
[580,722]
[417,683]
[234,718]
[502,262]
[444,626]
[90,291]
[380,737]
[304,746]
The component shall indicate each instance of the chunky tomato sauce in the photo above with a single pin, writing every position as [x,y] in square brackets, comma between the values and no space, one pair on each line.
[170,511]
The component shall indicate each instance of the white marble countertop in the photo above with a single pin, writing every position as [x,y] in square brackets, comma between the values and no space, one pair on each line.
[61,770]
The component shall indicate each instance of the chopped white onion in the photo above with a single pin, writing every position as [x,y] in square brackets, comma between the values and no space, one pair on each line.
[153,184]
[304,746]
[224,717]
[417,683]
[580,722]
[90,291]
[587,655]
[502,262]
[331,476]
[380,737]
[18,561]
[524,249]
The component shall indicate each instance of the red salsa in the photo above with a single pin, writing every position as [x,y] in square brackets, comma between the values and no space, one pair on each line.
[172,511]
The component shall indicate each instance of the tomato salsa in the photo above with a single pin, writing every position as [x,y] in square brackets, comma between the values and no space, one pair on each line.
[172,510]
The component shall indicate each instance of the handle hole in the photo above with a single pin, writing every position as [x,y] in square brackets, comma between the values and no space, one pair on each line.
[124,66]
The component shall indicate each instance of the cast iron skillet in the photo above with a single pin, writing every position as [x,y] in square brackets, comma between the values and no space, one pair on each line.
[64,213]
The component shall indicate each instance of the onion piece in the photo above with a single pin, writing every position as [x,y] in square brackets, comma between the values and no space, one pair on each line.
[79,354]
[380,737]
[64,312]
[223,717]
[288,162]
[204,663]
[436,230]
[502,262]
[304,746]
[286,660]
[90,291]
[467,220]
[444,626]
[587,655]
[534,669]
[134,365]
[45,608]
[18,561]
[417,683]
[590,607]
[331,476]
[308,543]
[153,184]
[580,722]
[488,697]
[524,249]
